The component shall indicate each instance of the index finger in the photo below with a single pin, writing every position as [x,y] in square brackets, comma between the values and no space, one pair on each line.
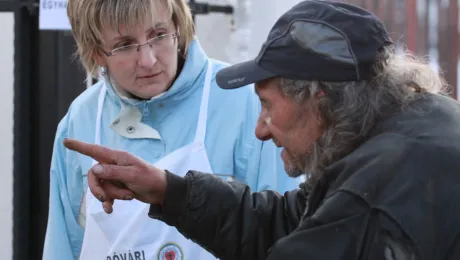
[97,152]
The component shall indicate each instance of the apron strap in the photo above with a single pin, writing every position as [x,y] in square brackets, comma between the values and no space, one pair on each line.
[100,105]
[203,115]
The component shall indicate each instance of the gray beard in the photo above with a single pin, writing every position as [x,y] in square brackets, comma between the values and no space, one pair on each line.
[298,166]
[293,171]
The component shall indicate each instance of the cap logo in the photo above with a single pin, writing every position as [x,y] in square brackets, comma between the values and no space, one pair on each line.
[237,80]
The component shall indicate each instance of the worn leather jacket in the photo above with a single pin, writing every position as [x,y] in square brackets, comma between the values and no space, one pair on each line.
[397,196]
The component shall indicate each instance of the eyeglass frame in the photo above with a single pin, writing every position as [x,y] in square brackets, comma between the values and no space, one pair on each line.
[175,35]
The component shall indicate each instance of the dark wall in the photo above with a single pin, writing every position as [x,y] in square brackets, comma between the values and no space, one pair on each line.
[46,81]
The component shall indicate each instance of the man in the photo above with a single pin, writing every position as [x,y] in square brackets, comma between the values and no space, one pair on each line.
[375,133]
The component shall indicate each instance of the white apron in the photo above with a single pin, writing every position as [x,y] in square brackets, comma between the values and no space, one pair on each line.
[128,233]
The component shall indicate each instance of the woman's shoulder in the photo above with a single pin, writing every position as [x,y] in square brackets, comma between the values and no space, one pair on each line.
[81,109]
[89,95]
[87,100]
[244,99]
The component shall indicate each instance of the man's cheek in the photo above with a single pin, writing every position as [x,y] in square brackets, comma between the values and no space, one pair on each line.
[268,121]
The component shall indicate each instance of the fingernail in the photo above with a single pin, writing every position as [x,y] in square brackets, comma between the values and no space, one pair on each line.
[101,198]
[128,197]
[98,169]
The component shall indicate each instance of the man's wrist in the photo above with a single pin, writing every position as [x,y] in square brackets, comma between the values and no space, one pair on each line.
[174,199]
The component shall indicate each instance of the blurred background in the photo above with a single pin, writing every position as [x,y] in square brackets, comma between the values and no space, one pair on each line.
[39,78]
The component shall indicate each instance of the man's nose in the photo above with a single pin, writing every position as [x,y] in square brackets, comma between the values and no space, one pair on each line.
[262,132]
[147,57]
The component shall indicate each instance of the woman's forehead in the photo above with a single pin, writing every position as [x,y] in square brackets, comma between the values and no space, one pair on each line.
[139,26]
[142,26]
[136,18]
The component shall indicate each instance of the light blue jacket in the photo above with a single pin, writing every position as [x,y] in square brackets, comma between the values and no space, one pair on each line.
[230,143]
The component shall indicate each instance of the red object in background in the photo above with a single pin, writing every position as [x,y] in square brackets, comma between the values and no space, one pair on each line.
[448,42]
[411,25]
[409,28]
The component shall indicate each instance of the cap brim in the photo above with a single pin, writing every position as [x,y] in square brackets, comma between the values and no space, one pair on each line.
[241,74]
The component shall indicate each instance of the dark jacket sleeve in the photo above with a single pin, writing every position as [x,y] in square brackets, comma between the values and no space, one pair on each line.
[343,228]
[227,219]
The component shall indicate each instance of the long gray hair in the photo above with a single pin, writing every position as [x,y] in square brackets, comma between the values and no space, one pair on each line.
[349,110]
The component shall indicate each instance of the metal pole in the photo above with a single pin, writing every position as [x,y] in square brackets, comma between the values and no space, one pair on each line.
[206,8]
[192,4]
[25,76]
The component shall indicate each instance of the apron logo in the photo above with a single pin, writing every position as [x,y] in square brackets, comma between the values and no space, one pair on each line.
[135,255]
[170,251]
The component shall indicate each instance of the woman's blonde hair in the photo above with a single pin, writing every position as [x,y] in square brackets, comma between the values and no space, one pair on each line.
[89,18]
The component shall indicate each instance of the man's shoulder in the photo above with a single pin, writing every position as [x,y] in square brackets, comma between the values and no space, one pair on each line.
[412,181]
[391,162]
[405,151]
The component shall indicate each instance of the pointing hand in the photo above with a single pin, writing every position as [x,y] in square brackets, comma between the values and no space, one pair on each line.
[120,175]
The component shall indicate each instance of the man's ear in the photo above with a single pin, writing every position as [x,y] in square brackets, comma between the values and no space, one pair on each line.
[320,93]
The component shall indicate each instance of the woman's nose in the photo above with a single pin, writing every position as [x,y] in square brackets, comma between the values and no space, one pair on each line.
[147,57]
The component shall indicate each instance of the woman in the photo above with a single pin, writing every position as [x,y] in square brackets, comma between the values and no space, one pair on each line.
[158,100]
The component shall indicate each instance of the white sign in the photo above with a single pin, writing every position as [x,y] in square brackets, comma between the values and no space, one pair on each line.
[53,15]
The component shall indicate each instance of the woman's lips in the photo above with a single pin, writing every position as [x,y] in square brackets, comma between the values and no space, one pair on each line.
[148,78]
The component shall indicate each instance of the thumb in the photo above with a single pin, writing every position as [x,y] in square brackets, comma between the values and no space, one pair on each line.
[116,173]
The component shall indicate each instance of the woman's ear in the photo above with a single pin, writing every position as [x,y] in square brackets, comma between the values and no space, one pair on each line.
[100,58]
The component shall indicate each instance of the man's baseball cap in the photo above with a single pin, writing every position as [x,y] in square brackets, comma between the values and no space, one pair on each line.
[314,40]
